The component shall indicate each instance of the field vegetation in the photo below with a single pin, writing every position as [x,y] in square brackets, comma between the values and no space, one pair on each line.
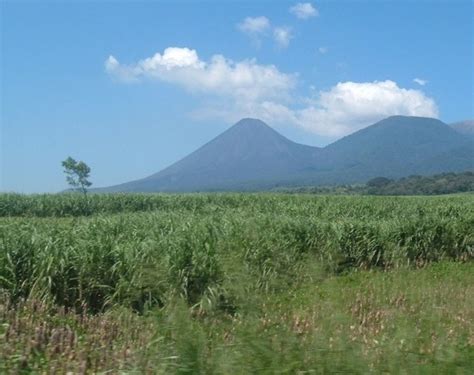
[236,284]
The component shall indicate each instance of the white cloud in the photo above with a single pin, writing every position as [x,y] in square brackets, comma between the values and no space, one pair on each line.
[339,111]
[304,10]
[258,27]
[350,106]
[254,25]
[282,36]
[232,90]
[323,50]
[111,63]
[420,81]
[219,76]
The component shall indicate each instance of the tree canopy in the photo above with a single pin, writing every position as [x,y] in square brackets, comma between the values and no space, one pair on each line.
[77,174]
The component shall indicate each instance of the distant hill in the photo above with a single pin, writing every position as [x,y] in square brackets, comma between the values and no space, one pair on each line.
[252,156]
[464,127]
[400,146]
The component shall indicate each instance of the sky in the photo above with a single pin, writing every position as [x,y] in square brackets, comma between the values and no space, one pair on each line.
[130,87]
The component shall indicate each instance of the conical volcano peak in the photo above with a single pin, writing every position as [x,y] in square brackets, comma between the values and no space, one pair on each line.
[249,121]
[251,125]
[251,155]
[254,130]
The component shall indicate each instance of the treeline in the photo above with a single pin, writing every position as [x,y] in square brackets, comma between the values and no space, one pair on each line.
[444,183]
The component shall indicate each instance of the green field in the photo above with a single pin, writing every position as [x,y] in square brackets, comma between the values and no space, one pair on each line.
[236,284]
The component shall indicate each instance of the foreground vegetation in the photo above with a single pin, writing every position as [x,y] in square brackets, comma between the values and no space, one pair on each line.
[236,283]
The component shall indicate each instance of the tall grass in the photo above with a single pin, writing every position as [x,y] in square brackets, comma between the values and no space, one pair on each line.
[366,322]
[227,283]
[196,243]
[328,207]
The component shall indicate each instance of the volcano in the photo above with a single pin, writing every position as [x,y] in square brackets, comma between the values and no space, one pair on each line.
[251,155]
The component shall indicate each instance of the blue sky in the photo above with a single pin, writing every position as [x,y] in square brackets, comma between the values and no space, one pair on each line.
[131,87]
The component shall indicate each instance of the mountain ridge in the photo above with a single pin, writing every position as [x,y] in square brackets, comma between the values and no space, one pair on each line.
[465,127]
[250,155]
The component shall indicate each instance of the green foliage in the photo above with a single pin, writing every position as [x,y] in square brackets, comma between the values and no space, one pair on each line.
[197,246]
[445,183]
[402,321]
[378,182]
[236,283]
[77,174]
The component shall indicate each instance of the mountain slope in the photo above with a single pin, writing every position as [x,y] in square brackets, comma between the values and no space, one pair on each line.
[252,156]
[399,146]
[250,152]
[464,127]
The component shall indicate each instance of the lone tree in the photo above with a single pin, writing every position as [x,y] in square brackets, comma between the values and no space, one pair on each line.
[77,174]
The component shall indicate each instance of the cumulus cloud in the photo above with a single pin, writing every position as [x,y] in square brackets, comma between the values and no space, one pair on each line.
[420,81]
[350,106]
[231,90]
[339,111]
[304,10]
[218,76]
[254,25]
[282,36]
[256,28]
[111,63]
